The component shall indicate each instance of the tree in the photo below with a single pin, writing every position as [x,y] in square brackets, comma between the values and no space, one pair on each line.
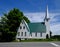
[50,34]
[11,22]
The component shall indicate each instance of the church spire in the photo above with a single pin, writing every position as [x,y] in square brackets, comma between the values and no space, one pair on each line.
[47,13]
[47,22]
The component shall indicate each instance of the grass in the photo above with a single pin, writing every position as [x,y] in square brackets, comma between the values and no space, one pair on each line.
[37,40]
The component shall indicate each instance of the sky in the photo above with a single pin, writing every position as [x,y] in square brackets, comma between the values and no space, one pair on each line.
[35,10]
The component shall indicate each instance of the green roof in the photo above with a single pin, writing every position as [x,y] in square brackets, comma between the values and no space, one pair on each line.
[37,27]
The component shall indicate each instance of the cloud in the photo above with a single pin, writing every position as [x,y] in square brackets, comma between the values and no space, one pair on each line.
[54,18]
[55,29]
[39,17]
[35,17]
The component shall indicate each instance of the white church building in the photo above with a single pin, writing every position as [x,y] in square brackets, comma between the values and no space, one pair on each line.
[37,30]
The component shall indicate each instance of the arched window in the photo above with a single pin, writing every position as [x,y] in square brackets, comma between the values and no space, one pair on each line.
[21,33]
[25,33]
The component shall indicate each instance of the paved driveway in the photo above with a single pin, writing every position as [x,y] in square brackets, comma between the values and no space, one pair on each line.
[30,44]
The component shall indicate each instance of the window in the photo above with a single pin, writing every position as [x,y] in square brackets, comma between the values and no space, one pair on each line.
[25,33]
[41,34]
[20,27]
[18,33]
[36,34]
[23,27]
[21,33]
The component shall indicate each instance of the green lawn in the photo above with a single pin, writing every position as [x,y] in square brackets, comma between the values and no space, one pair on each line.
[36,40]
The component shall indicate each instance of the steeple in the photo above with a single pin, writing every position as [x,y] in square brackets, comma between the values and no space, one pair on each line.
[47,14]
[47,22]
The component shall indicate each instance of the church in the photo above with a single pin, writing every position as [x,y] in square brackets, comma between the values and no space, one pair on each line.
[37,30]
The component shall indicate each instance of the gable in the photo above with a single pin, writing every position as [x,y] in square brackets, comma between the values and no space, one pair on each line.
[23,25]
[37,27]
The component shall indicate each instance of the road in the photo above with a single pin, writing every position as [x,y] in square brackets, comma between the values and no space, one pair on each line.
[30,44]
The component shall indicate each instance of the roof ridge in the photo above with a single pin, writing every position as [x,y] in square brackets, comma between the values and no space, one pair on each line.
[38,22]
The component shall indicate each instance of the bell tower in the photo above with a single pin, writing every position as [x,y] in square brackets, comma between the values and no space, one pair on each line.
[47,22]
